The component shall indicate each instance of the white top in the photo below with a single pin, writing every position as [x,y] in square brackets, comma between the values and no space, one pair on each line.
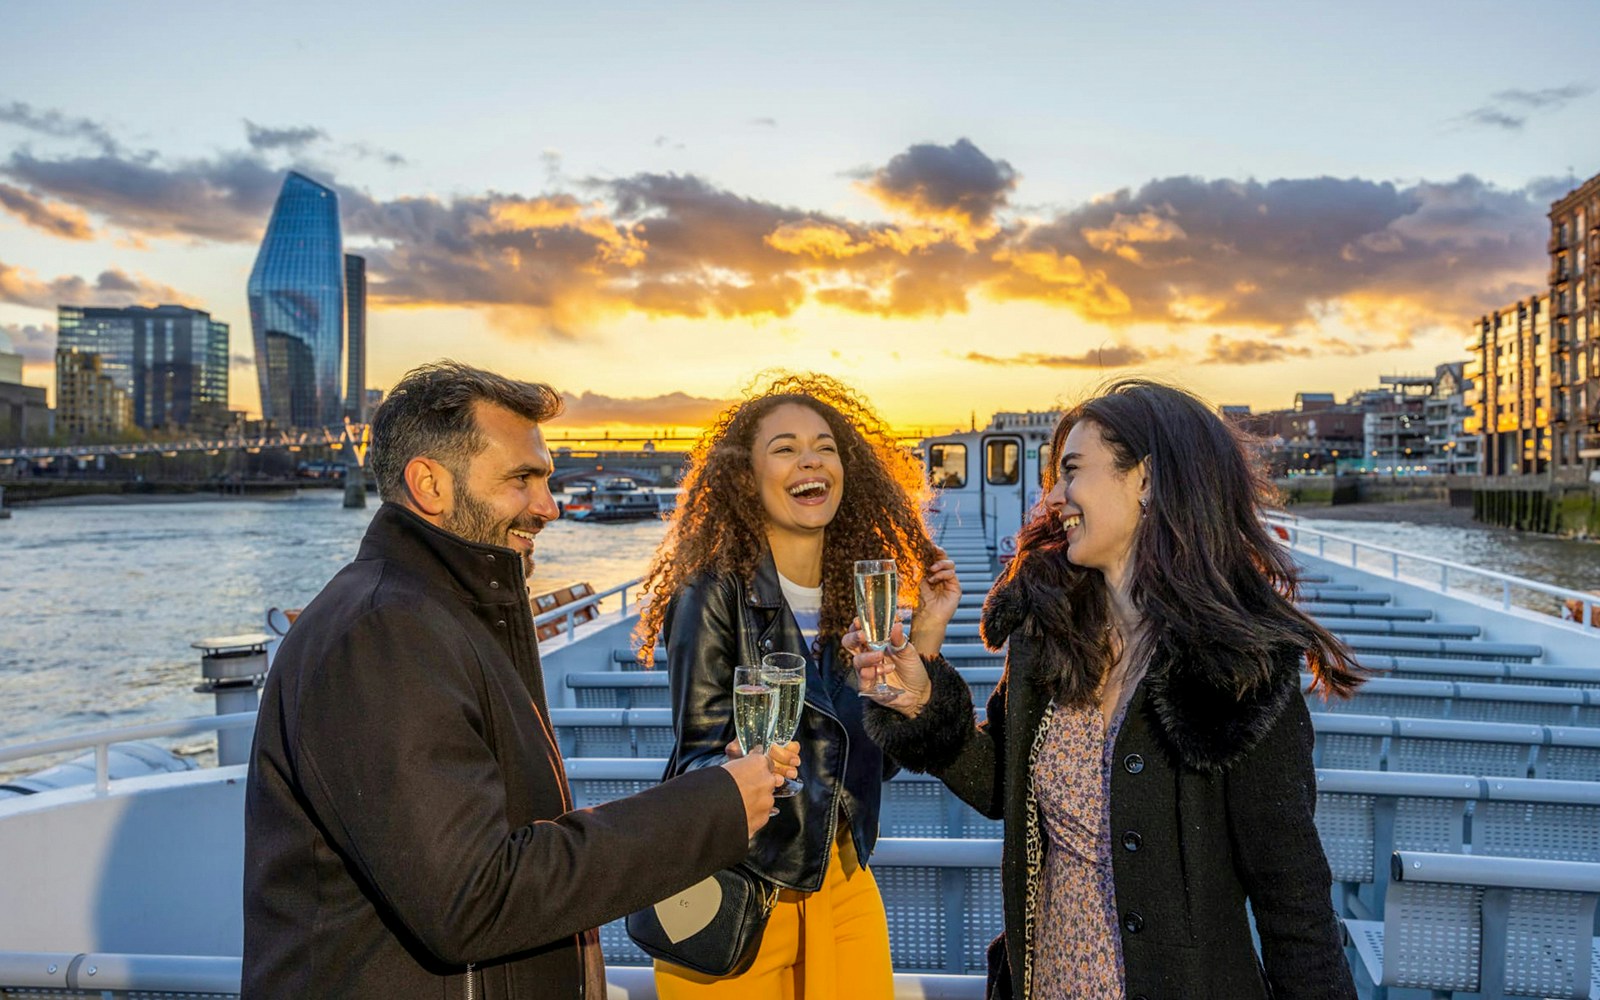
[806,605]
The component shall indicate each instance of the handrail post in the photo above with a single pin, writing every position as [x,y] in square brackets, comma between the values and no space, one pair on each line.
[1505,594]
[1394,565]
[102,767]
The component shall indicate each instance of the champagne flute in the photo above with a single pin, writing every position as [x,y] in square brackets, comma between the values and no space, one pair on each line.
[877,591]
[785,673]
[753,702]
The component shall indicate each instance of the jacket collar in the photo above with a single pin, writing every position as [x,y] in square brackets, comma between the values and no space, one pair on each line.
[1201,721]
[486,574]
[766,592]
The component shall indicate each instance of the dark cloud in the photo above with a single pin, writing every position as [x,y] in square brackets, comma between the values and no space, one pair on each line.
[1179,251]
[957,182]
[226,199]
[53,123]
[34,343]
[368,152]
[1549,97]
[57,220]
[1223,351]
[1509,109]
[110,288]
[765,122]
[1496,118]
[674,409]
[1115,356]
[241,361]
[1184,250]
[293,138]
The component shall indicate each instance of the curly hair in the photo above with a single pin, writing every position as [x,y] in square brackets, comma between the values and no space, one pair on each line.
[720,524]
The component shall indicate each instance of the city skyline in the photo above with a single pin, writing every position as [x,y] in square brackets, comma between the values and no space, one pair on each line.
[952,213]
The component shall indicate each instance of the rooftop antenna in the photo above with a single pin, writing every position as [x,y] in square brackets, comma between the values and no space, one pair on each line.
[973,421]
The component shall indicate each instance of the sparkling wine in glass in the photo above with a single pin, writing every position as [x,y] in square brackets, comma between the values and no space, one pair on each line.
[877,594]
[785,673]
[753,703]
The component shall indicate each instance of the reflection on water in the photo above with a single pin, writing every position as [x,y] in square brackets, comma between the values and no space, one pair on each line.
[1558,561]
[98,605]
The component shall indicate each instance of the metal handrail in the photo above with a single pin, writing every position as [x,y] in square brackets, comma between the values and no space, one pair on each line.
[102,740]
[1446,567]
[101,971]
[566,611]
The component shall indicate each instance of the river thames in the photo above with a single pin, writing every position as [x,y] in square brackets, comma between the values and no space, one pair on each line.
[98,604]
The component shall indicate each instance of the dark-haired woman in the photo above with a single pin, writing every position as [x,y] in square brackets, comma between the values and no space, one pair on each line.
[1148,748]
[783,494]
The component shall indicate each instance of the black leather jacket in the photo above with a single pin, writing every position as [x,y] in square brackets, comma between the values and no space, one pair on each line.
[716,623]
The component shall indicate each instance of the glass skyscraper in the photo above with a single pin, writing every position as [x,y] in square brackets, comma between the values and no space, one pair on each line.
[355,307]
[171,361]
[296,294]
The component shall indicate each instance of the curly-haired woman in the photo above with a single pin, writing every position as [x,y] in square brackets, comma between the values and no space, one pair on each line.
[783,494]
[1148,746]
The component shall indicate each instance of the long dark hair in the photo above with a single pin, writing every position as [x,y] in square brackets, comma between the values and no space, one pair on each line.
[1205,575]
[720,524]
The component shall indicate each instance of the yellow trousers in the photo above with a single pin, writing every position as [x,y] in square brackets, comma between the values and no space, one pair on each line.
[824,945]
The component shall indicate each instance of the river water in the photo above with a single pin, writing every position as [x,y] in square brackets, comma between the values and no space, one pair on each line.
[98,604]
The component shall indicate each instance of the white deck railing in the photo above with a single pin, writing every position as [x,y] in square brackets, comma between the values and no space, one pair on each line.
[1373,558]
[102,740]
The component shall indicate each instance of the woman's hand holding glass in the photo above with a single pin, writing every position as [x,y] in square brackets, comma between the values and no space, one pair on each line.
[899,666]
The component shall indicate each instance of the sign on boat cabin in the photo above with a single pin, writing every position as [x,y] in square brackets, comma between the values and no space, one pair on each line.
[992,476]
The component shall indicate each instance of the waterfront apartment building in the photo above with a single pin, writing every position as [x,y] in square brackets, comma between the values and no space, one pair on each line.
[1509,369]
[1452,450]
[355,308]
[296,293]
[170,361]
[1575,331]
[90,401]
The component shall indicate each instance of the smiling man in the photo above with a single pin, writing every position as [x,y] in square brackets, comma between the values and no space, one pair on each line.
[408,827]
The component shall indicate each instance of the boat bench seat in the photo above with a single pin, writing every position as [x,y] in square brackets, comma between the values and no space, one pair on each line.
[1453,669]
[1363,816]
[1336,609]
[1437,699]
[1401,627]
[1450,746]
[1459,924]
[1467,649]
[1344,594]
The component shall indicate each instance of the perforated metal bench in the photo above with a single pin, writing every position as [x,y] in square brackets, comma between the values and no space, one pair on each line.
[1570,753]
[1466,649]
[1343,609]
[1554,820]
[1500,749]
[1364,816]
[1500,927]
[1549,706]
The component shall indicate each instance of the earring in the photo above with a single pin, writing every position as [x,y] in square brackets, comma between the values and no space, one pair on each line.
[1144,506]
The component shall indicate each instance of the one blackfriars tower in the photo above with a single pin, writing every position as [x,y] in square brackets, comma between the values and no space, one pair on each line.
[296,296]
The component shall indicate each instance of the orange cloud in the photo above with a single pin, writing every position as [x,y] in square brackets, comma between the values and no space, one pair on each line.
[57,220]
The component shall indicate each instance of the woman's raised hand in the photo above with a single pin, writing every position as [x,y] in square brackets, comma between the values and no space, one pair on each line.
[785,759]
[938,596]
[900,665]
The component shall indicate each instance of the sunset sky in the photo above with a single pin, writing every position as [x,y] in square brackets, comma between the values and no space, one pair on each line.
[956,209]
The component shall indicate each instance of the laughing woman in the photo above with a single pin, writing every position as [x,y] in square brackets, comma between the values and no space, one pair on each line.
[1148,747]
[783,494]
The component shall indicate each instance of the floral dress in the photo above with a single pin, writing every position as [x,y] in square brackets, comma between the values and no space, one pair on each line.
[1077,947]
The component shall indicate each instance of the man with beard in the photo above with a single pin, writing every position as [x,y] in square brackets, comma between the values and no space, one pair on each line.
[408,827]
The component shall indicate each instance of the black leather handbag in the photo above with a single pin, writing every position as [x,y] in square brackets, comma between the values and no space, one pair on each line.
[713,927]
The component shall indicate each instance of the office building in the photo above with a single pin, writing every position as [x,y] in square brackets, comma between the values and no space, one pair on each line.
[296,293]
[355,369]
[170,361]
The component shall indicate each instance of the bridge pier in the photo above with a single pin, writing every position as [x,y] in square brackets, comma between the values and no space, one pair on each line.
[355,486]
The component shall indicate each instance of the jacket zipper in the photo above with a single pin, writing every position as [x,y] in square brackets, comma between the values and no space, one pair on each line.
[472,991]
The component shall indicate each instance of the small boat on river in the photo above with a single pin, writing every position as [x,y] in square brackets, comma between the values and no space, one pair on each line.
[617,498]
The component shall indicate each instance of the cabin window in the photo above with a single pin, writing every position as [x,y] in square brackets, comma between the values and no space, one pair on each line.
[1001,464]
[947,466]
[1044,462]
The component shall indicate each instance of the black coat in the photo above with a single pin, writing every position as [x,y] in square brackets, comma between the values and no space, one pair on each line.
[1211,805]
[408,822]
[716,623]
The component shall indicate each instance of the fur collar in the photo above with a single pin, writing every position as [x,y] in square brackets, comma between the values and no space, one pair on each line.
[1199,720]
